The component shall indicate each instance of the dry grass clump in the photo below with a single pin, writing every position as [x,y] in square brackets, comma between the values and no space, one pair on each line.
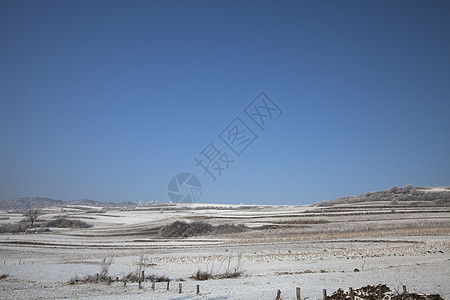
[230,274]
[90,279]
[157,278]
[4,276]
[103,276]
[202,275]
[136,277]
[231,271]
[184,229]
[205,275]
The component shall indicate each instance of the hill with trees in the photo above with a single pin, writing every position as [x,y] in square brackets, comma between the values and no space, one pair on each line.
[415,196]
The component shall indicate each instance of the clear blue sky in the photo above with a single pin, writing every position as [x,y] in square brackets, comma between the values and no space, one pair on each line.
[108,100]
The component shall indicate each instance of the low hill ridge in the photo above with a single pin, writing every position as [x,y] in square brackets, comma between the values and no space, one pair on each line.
[417,196]
[40,202]
[29,202]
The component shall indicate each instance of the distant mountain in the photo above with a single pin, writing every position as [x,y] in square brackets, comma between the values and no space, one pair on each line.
[83,202]
[417,196]
[40,202]
[29,202]
[87,202]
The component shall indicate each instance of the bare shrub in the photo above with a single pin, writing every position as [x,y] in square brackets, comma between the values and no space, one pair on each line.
[32,215]
[136,277]
[393,189]
[13,228]
[105,265]
[137,274]
[103,276]
[141,264]
[372,292]
[184,229]
[157,278]
[231,271]
[74,280]
[88,279]
[4,276]
[229,228]
[230,274]
[67,223]
[202,275]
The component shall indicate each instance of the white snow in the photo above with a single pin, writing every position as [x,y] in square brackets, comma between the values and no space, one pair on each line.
[313,249]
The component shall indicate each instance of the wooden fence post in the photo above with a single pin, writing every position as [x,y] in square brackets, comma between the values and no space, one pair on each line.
[143,277]
[352,296]
[297,293]
[278,295]
[124,282]
[153,285]
[404,290]
[167,285]
[380,294]
[198,289]
[96,280]
[180,286]
[324,294]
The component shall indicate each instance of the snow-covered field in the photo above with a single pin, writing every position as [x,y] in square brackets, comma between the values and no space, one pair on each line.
[286,247]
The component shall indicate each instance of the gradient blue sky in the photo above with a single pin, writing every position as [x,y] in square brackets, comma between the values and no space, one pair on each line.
[108,100]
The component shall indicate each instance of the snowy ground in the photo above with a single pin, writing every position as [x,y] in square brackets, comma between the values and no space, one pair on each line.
[287,247]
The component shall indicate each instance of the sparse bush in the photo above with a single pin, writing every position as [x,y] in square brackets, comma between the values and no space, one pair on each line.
[229,228]
[184,229]
[13,228]
[66,223]
[393,189]
[96,211]
[4,276]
